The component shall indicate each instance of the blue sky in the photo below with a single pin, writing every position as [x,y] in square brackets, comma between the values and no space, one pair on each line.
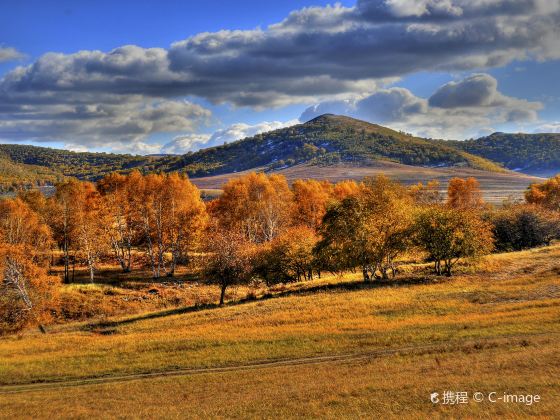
[151,77]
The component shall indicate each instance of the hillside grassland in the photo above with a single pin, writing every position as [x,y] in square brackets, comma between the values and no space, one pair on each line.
[329,347]
[496,186]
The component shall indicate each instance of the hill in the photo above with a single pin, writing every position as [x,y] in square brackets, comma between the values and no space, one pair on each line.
[325,140]
[535,154]
[15,175]
[82,165]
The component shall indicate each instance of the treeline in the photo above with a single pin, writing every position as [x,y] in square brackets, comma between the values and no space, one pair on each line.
[259,229]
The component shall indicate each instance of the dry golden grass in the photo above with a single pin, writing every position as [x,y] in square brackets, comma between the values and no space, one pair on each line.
[496,186]
[397,386]
[493,330]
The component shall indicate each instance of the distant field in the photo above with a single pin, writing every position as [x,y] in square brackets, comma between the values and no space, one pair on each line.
[496,186]
[332,347]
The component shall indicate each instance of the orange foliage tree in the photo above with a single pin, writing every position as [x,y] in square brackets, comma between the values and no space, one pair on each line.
[311,199]
[171,216]
[464,194]
[546,194]
[118,192]
[257,205]
[27,293]
[83,220]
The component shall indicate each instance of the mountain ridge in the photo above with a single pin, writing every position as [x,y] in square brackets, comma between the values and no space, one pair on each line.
[322,141]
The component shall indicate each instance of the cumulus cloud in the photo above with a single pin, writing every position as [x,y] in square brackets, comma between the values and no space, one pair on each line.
[550,127]
[10,54]
[315,54]
[238,131]
[122,126]
[456,110]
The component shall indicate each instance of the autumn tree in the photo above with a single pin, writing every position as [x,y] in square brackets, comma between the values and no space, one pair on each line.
[229,259]
[464,194]
[311,198]
[288,257]
[545,194]
[257,205]
[369,229]
[122,229]
[449,234]
[426,194]
[344,189]
[184,220]
[27,293]
[85,219]
[171,216]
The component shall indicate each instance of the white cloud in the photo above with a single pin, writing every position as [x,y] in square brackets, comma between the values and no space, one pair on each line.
[122,126]
[238,131]
[315,54]
[550,127]
[456,110]
[10,54]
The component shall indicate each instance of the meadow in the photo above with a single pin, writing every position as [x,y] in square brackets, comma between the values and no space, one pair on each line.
[334,347]
[496,186]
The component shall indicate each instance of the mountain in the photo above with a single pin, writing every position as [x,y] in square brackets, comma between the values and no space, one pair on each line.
[325,140]
[534,154]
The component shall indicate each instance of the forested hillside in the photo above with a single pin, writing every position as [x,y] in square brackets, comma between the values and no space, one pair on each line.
[14,175]
[324,140]
[82,165]
[535,154]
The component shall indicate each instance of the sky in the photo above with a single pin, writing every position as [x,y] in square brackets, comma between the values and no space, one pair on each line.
[147,77]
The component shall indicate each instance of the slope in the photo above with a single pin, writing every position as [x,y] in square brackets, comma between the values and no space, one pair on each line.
[535,154]
[14,175]
[325,140]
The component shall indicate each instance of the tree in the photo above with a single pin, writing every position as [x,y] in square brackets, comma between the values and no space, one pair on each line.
[289,257]
[464,194]
[171,216]
[26,291]
[369,229]
[84,221]
[426,194]
[311,198]
[344,189]
[449,234]
[546,194]
[229,259]
[520,227]
[257,205]
[117,192]
[185,218]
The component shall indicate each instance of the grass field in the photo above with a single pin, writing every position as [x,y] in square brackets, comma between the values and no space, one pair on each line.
[496,186]
[328,348]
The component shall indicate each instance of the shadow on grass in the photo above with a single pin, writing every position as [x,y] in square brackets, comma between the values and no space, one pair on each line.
[108,327]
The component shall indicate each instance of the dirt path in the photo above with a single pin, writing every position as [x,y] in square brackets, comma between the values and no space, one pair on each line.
[451,345]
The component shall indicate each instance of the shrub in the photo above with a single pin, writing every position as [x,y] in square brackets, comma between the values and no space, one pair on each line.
[521,227]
